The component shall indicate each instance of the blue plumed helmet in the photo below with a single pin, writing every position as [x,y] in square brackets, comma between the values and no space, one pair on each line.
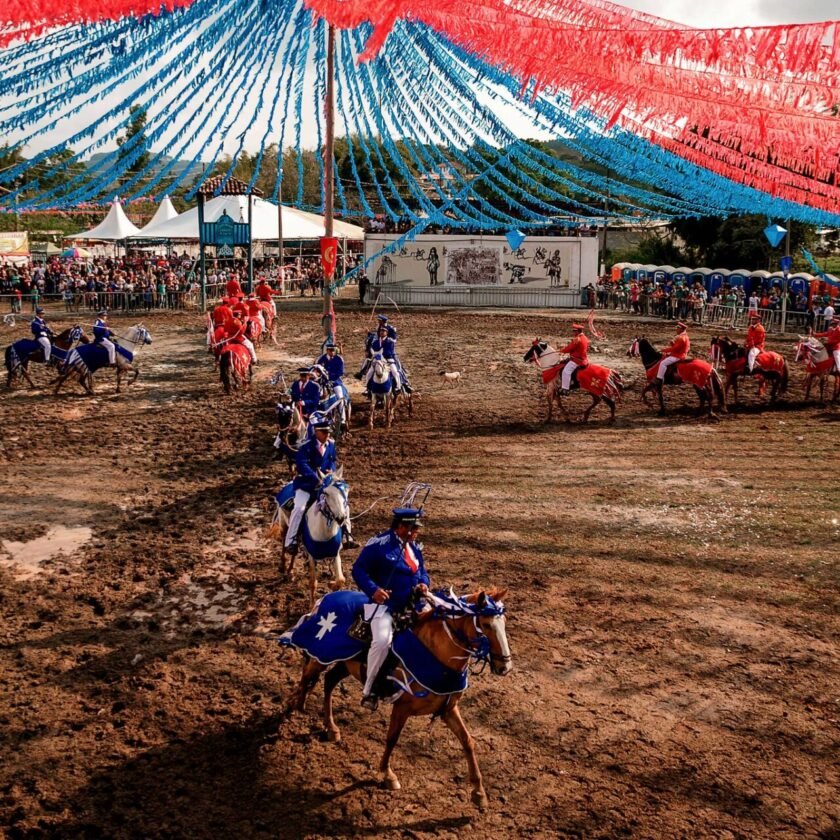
[407,516]
[319,421]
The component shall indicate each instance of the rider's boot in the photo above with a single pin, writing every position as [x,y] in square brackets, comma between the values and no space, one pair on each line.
[407,388]
[370,702]
[347,540]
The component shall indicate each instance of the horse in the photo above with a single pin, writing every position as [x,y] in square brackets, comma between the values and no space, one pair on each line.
[321,529]
[291,429]
[769,367]
[235,366]
[601,383]
[383,390]
[701,375]
[330,403]
[440,646]
[19,354]
[270,318]
[819,364]
[87,359]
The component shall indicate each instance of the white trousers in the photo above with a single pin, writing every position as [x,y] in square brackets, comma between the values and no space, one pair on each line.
[395,373]
[112,350]
[301,501]
[337,390]
[566,375]
[752,355]
[45,343]
[249,345]
[663,366]
[382,630]
[836,355]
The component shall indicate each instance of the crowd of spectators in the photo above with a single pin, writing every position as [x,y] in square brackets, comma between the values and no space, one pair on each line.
[679,300]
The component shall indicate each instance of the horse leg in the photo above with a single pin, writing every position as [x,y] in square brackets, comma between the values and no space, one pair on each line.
[372,413]
[333,677]
[595,401]
[659,389]
[27,377]
[339,580]
[611,404]
[452,718]
[311,582]
[808,383]
[311,672]
[119,377]
[399,715]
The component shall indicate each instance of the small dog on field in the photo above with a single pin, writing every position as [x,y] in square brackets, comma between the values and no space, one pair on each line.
[452,378]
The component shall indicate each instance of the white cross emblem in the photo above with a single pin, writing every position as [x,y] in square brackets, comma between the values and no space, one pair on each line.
[327,625]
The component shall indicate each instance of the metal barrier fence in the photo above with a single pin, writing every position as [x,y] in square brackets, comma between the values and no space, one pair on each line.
[478,296]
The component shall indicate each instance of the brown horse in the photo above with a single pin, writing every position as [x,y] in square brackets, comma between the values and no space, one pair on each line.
[19,355]
[456,631]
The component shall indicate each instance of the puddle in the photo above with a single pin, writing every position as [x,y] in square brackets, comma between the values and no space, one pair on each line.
[27,558]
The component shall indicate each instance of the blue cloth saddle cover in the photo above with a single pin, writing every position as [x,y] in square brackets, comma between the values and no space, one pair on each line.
[95,356]
[322,634]
[286,497]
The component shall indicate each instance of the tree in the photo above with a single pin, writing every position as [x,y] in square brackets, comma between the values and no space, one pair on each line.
[136,129]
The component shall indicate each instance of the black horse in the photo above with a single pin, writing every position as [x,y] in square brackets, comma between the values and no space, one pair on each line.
[700,375]
[735,359]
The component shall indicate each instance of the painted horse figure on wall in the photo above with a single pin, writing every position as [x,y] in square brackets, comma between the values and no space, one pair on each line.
[86,359]
[700,375]
[602,383]
[769,367]
[819,366]
[19,355]
[427,669]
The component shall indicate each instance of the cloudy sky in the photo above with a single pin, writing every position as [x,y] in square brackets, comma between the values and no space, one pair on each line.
[739,12]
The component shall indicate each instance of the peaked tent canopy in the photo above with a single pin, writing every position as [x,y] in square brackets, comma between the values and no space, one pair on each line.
[296,223]
[166,212]
[115,227]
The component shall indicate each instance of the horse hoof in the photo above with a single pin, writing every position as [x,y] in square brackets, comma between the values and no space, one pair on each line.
[479,799]
[392,783]
[336,584]
[334,736]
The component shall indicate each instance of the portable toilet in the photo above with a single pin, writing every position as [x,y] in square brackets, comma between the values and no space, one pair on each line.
[645,272]
[800,283]
[616,272]
[681,274]
[630,270]
[739,278]
[700,275]
[662,273]
[716,279]
[759,279]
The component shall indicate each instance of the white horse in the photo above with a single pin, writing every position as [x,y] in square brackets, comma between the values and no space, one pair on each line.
[86,359]
[819,364]
[382,392]
[321,530]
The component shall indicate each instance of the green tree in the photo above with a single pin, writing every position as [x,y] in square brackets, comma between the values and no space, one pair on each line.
[136,128]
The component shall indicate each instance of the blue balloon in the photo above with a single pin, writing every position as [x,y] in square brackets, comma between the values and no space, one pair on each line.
[515,238]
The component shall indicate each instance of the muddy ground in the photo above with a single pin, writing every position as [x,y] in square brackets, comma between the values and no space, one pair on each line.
[673,605]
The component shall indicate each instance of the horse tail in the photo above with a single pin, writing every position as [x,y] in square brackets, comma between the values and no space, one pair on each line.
[717,387]
[615,386]
[225,365]
[7,358]
[783,384]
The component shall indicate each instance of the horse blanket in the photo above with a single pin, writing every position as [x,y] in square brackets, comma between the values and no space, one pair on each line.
[240,358]
[317,550]
[322,634]
[95,356]
[765,362]
[594,379]
[691,371]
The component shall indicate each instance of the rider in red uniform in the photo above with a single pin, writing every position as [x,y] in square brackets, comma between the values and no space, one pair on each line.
[832,340]
[221,313]
[233,289]
[676,351]
[578,350]
[756,335]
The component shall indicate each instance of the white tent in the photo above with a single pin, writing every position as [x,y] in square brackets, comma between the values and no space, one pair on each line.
[113,228]
[166,212]
[296,223]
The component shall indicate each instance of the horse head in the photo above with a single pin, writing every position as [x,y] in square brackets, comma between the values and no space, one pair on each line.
[380,369]
[138,335]
[537,348]
[633,349]
[809,347]
[333,498]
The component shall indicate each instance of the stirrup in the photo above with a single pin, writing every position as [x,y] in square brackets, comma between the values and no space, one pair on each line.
[370,702]
[292,548]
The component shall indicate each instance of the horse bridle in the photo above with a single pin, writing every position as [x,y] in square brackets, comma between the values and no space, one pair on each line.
[478,647]
[324,505]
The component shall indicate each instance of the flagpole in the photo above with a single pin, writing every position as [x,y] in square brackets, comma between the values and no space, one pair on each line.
[329,145]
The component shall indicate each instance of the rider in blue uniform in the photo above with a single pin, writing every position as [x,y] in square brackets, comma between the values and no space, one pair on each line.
[333,364]
[314,460]
[387,346]
[382,321]
[102,335]
[306,392]
[42,332]
[389,570]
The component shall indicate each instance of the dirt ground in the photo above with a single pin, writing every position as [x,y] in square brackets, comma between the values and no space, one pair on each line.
[673,605]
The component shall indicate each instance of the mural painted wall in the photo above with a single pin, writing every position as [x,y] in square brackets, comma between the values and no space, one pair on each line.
[463,260]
